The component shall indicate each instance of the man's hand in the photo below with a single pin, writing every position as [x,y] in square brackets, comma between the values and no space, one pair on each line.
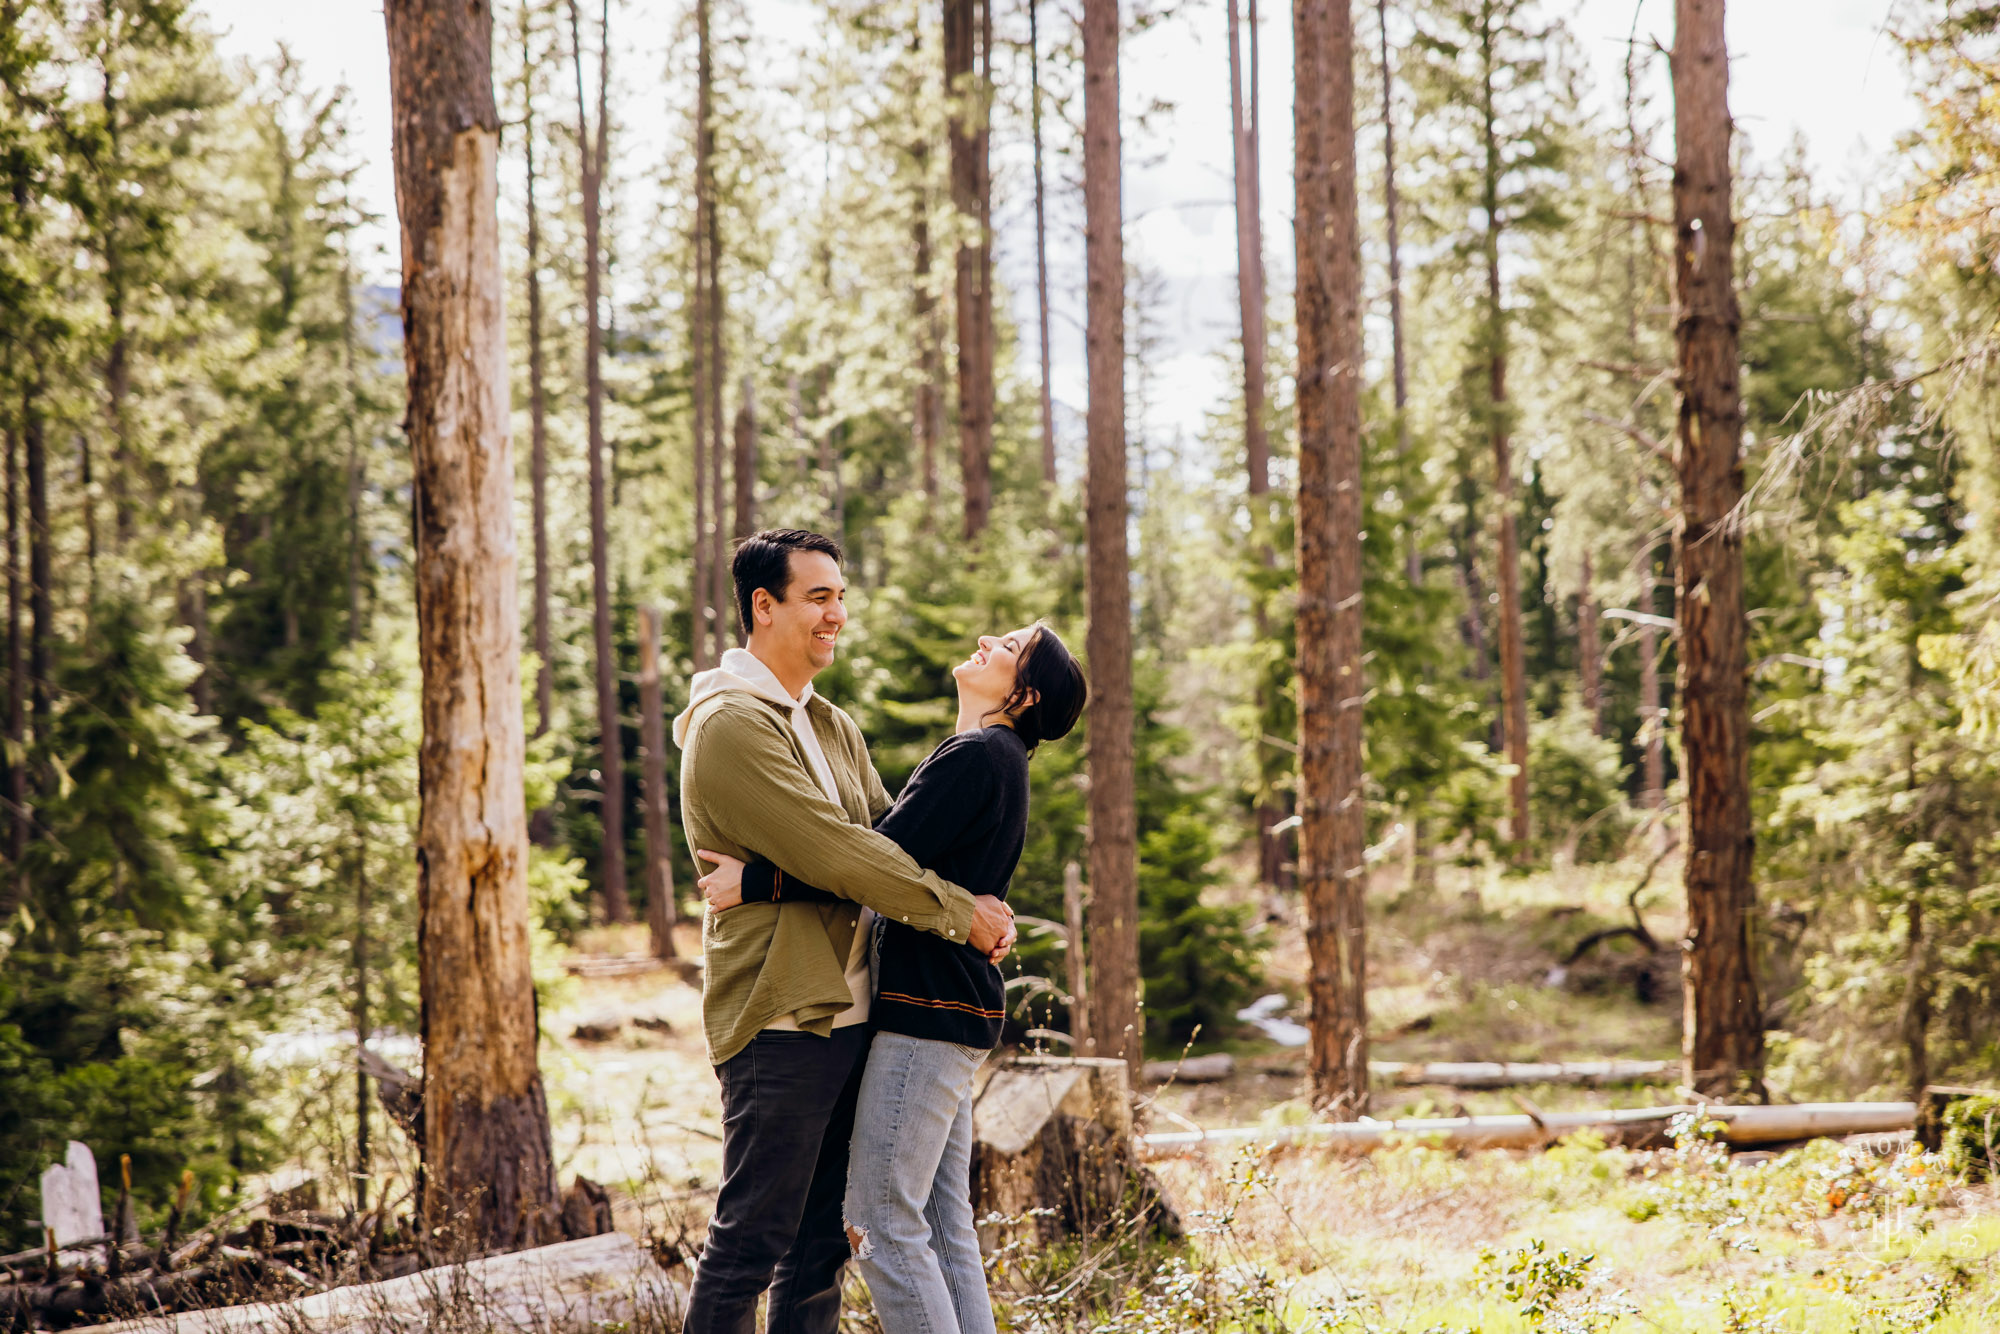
[992,932]
[722,887]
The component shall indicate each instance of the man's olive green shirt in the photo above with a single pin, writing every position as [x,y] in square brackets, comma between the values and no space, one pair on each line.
[747,789]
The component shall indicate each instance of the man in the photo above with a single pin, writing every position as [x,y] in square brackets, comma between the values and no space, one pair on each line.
[773,771]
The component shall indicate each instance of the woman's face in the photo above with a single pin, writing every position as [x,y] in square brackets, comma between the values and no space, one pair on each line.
[989,674]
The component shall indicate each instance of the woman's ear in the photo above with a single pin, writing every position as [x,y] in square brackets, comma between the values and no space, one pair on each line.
[1032,698]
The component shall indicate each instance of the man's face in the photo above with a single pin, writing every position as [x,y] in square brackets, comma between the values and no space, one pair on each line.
[806,623]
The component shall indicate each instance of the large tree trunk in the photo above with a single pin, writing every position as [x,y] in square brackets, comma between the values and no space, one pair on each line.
[1507,556]
[1041,243]
[610,737]
[1331,810]
[653,772]
[488,1171]
[968,89]
[1723,1032]
[745,466]
[538,403]
[1114,891]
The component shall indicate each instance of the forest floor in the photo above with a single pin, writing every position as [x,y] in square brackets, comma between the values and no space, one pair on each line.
[1829,1238]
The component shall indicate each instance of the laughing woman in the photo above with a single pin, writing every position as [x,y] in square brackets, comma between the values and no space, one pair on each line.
[938,1004]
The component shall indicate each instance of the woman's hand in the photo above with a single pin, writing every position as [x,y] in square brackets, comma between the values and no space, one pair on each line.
[722,887]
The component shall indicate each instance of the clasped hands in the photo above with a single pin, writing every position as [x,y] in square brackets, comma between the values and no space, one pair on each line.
[992,932]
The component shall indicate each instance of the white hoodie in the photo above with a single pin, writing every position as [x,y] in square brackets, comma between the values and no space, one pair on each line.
[744,670]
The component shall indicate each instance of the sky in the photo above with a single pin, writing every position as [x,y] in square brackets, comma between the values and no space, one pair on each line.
[1821,70]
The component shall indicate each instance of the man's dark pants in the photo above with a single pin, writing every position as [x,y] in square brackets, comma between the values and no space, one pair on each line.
[787,1115]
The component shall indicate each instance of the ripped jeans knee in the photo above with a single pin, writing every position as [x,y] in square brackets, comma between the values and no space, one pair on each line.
[859,1242]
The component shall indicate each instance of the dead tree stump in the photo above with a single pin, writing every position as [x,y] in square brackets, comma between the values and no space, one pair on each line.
[1054,1153]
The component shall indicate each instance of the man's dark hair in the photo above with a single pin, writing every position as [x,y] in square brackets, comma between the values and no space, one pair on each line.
[764,560]
[1049,690]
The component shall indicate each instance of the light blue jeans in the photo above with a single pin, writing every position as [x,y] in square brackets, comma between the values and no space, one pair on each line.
[909,1188]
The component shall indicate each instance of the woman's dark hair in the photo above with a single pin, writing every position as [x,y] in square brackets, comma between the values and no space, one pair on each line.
[764,560]
[1049,690]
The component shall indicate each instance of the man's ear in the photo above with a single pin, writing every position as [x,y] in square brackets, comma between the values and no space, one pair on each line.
[762,606]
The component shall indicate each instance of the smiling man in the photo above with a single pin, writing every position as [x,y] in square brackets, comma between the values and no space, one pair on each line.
[773,771]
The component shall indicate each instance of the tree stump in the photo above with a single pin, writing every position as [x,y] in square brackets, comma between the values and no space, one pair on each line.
[1054,1153]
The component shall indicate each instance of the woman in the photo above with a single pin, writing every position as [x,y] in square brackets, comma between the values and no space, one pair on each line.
[938,1003]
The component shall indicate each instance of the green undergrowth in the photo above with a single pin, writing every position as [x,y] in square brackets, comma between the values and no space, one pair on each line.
[1582,1239]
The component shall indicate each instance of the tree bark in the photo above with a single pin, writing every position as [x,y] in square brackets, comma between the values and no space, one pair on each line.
[1507,558]
[1114,909]
[1589,653]
[538,402]
[660,913]
[969,92]
[610,736]
[1331,811]
[1723,1030]
[488,1171]
[745,465]
[1041,244]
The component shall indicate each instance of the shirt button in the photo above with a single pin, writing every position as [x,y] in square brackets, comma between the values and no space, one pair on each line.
[906,917]
[950,932]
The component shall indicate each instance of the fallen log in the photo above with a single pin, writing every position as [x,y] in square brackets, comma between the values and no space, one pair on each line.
[1631,1126]
[1509,1074]
[581,1285]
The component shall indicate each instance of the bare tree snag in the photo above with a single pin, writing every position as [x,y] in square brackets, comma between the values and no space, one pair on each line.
[610,736]
[488,1172]
[968,89]
[1114,870]
[660,912]
[1723,1027]
[1331,811]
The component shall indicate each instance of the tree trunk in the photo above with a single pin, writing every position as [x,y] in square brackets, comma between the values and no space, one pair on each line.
[488,1171]
[41,607]
[702,609]
[357,484]
[118,359]
[1723,1032]
[653,771]
[1652,725]
[538,403]
[969,94]
[17,692]
[1114,892]
[1256,450]
[610,737]
[1331,812]
[718,554]
[746,461]
[1507,558]
[1041,244]
[1392,217]
[1589,654]
[362,1149]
